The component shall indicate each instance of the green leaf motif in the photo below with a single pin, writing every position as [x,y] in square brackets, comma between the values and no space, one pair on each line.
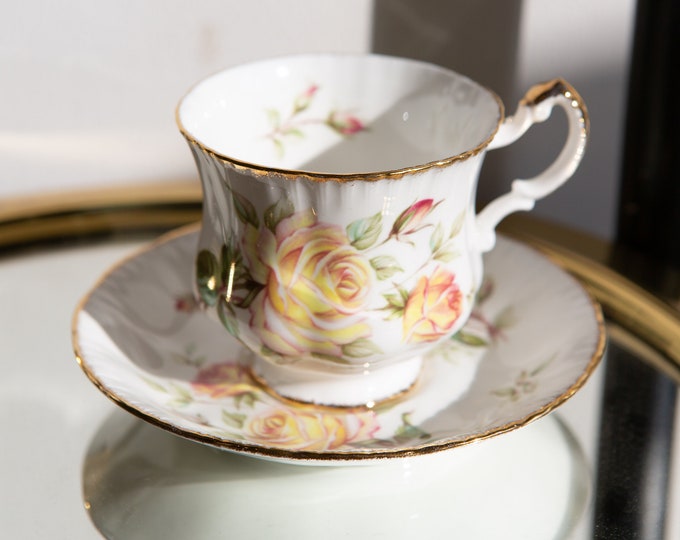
[505,319]
[385,266]
[272,355]
[295,132]
[245,209]
[189,359]
[445,256]
[363,233]
[437,238]
[457,225]
[207,280]
[542,366]
[156,386]
[277,212]
[394,314]
[280,149]
[226,314]
[485,291]
[408,432]
[245,400]
[253,289]
[274,117]
[227,263]
[470,339]
[404,294]
[360,348]
[179,401]
[234,420]
[182,393]
[227,256]
[330,358]
[396,301]
[506,393]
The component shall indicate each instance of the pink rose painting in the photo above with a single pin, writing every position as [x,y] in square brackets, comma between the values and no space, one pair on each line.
[228,379]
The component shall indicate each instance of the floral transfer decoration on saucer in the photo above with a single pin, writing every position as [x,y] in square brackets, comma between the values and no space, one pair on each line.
[251,414]
[528,346]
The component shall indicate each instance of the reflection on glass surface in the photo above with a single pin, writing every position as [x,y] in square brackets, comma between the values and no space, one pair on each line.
[140,481]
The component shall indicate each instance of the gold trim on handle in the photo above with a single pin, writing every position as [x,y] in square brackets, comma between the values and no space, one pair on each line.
[558,88]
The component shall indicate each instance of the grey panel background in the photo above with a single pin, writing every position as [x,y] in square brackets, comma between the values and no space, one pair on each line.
[482,39]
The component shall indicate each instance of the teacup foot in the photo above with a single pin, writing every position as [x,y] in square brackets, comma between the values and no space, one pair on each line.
[363,389]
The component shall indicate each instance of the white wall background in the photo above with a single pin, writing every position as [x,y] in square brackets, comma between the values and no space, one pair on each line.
[88,89]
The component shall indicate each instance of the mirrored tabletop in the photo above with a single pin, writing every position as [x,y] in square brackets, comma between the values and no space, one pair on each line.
[75,465]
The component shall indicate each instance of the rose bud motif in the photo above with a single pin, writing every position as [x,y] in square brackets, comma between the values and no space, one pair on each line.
[409,220]
[305,99]
[344,123]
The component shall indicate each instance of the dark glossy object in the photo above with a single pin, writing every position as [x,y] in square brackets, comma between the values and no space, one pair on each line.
[639,403]
[649,216]
[634,450]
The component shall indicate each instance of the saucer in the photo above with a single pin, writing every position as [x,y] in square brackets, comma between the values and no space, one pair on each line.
[533,339]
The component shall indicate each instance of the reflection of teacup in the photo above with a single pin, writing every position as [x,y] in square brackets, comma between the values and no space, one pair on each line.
[339,239]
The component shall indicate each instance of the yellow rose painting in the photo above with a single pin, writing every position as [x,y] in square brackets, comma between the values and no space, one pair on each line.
[432,308]
[311,430]
[315,288]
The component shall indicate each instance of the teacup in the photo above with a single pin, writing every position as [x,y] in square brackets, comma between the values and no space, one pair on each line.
[339,239]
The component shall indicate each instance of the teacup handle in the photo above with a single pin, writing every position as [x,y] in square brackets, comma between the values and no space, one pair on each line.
[535,107]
